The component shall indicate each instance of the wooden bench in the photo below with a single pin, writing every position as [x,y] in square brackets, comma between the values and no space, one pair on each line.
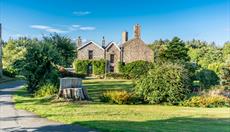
[71,88]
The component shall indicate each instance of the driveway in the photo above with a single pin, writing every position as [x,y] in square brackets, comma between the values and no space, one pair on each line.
[12,120]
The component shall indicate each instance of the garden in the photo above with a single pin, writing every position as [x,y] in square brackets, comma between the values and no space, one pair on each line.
[185,88]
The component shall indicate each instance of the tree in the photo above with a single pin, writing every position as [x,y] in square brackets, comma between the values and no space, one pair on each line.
[226,50]
[158,47]
[176,51]
[164,83]
[39,65]
[225,76]
[14,50]
[64,46]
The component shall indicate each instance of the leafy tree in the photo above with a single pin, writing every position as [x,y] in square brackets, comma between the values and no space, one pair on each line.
[14,50]
[176,51]
[211,55]
[158,47]
[196,44]
[226,50]
[225,76]
[64,46]
[39,65]
[164,83]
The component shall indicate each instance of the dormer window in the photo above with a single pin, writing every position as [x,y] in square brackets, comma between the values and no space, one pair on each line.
[90,54]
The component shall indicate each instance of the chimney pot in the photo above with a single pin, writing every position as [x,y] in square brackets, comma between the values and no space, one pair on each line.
[124,37]
[79,42]
[137,31]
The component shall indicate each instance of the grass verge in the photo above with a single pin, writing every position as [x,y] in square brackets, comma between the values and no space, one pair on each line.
[125,118]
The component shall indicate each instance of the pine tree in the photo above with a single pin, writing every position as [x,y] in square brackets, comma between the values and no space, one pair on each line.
[176,51]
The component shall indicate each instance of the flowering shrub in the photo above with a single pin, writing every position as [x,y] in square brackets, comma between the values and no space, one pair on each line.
[46,90]
[119,97]
[207,101]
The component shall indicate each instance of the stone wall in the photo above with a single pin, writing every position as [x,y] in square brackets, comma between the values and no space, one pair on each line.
[98,53]
[135,50]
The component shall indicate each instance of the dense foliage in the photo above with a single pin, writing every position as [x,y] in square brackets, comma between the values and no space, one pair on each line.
[176,51]
[39,65]
[207,101]
[64,46]
[81,66]
[225,76]
[207,78]
[46,89]
[119,97]
[98,67]
[136,69]
[168,83]
[14,50]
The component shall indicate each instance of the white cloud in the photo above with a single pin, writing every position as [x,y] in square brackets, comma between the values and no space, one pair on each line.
[87,28]
[76,26]
[47,29]
[81,13]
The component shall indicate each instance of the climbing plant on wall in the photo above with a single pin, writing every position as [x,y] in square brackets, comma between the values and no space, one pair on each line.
[81,66]
[98,67]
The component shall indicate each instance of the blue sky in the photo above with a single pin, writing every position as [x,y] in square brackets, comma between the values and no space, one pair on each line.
[201,19]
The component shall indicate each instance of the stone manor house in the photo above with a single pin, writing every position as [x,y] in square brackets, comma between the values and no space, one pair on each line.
[127,51]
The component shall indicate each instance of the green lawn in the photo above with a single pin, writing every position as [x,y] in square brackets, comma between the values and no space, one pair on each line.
[127,118]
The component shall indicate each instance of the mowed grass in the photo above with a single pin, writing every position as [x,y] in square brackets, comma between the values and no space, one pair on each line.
[125,118]
[96,87]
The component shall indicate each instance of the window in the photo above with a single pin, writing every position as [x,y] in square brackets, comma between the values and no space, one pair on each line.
[111,58]
[90,54]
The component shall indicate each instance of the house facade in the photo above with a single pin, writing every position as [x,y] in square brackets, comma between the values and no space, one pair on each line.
[128,51]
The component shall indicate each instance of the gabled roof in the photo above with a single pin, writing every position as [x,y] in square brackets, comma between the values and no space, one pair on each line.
[112,43]
[90,43]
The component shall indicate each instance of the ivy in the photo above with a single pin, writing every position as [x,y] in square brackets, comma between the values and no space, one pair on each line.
[81,66]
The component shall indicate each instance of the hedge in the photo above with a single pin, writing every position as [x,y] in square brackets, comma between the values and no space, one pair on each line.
[80,66]
[135,69]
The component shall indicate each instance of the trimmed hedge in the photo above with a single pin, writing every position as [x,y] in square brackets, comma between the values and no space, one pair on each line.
[81,66]
[135,69]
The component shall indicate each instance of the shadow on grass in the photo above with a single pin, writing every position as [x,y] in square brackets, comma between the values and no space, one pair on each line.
[178,124]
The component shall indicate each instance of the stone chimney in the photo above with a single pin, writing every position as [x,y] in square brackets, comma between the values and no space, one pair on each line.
[124,37]
[79,42]
[137,31]
[103,42]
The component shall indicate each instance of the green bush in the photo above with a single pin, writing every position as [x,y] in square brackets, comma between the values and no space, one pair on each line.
[136,69]
[166,83]
[47,89]
[207,78]
[207,101]
[119,97]
[10,72]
